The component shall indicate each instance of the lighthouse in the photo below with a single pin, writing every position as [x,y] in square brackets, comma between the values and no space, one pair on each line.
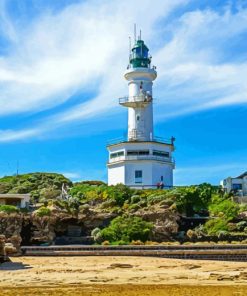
[141,160]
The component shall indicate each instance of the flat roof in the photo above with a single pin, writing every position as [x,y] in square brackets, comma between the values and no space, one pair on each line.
[15,195]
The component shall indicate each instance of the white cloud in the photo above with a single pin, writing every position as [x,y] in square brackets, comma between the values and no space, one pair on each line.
[195,75]
[13,135]
[73,50]
[84,48]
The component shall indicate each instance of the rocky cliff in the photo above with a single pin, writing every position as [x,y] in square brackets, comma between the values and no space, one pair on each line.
[34,229]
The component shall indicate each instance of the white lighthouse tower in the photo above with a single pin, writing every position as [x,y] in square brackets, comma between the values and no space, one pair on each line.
[141,160]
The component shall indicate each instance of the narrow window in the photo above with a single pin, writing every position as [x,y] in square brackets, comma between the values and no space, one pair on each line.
[138,177]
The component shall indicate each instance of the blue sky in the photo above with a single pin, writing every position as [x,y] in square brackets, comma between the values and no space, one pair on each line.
[61,73]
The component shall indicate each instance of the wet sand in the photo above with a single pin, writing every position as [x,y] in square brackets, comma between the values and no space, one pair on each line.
[121,276]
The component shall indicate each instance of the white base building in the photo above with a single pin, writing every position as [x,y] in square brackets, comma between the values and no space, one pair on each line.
[141,160]
[140,165]
[237,184]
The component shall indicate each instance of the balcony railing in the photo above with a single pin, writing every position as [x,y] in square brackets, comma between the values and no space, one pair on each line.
[154,139]
[142,157]
[136,101]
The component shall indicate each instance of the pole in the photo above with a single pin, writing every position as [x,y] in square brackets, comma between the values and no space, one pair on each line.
[135,32]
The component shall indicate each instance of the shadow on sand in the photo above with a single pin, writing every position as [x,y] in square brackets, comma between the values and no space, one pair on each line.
[14,266]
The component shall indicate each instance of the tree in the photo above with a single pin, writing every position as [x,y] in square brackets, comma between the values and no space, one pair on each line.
[127,229]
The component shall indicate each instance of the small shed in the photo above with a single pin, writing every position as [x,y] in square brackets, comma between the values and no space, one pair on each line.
[18,200]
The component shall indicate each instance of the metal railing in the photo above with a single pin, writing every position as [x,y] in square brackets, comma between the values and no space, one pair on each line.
[140,186]
[154,139]
[143,157]
[136,99]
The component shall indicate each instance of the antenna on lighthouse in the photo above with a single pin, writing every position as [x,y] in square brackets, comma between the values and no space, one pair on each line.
[140,34]
[135,32]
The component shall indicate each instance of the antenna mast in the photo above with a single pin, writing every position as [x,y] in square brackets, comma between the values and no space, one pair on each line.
[135,32]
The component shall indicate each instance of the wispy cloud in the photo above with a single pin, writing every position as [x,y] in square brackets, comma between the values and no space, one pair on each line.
[84,47]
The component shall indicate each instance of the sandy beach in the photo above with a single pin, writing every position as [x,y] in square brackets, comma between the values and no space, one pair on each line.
[121,276]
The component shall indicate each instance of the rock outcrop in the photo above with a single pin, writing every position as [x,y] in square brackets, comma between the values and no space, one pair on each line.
[36,229]
[5,249]
[10,227]
[164,220]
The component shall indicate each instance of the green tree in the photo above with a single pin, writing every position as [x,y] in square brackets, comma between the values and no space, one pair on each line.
[127,229]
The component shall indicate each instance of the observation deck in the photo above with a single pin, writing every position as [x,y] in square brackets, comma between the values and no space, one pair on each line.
[168,160]
[140,101]
[158,140]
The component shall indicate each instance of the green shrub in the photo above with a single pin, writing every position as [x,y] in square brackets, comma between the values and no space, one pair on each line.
[215,226]
[8,209]
[155,198]
[43,211]
[241,225]
[127,229]
[224,208]
[192,199]
[135,199]
[92,182]
[120,193]
[34,183]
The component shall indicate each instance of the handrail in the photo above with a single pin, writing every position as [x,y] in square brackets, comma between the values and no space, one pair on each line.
[135,99]
[155,139]
[142,157]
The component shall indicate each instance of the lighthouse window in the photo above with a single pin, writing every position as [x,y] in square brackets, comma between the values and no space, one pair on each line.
[160,153]
[137,117]
[138,176]
[117,154]
[138,152]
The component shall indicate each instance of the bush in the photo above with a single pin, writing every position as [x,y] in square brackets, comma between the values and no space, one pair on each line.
[33,183]
[127,229]
[97,235]
[135,199]
[120,193]
[92,182]
[224,208]
[241,225]
[43,211]
[192,199]
[8,209]
[155,198]
[215,226]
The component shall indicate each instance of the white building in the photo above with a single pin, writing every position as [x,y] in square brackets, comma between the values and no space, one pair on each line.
[141,160]
[237,184]
[18,200]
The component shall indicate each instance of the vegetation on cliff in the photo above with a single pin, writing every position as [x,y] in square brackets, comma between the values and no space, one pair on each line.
[41,186]
[124,230]
[118,214]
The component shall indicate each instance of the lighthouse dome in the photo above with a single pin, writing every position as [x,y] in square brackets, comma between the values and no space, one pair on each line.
[139,57]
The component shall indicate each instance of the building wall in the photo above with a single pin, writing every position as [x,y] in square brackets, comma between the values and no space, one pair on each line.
[124,173]
[144,166]
[245,185]
[165,170]
[228,184]
[122,169]
[116,174]
[19,200]
[145,124]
